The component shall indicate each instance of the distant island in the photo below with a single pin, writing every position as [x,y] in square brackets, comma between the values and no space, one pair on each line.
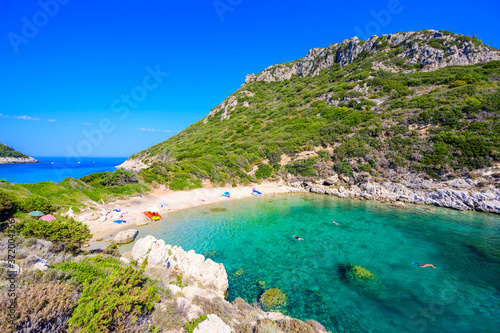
[10,156]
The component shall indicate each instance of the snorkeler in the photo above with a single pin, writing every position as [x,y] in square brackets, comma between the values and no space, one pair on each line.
[335,222]
[298,238]
[423,265]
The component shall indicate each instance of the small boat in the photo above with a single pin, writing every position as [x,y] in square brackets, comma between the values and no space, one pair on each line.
[152,216]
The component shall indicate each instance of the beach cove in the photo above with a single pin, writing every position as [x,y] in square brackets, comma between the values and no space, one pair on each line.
[253,239]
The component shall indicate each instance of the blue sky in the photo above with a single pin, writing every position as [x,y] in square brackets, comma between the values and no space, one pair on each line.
[67,69]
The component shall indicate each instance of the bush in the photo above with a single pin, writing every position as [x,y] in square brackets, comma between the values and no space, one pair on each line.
[108,304]
[63,230]
[344,168]
[41,307]
[264,171]
[33,203]
[6,203]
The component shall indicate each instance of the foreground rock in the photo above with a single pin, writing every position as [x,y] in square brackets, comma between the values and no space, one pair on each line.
[212,324]
[189,264]
[125,237]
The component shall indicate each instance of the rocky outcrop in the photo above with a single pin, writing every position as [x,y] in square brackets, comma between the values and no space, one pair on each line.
[212,324]
[132,164]
[189,264]
[459,193]
[125,237]
[17,160]
[445,50]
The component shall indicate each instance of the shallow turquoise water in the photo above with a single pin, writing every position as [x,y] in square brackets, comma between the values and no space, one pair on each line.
[255,234]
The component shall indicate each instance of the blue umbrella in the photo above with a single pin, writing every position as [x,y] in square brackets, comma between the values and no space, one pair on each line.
[36,213]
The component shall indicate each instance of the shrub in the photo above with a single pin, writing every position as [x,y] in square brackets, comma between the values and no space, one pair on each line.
[264,171]
[273,299]
[6,202]
[35,203]
[191,325]
[108,303]
[344,168]
[41,307]
[63,230]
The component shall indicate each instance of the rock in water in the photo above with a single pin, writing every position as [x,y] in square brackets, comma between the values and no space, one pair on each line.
[125,237]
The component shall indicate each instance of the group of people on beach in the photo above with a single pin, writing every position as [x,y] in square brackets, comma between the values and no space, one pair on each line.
[415,263]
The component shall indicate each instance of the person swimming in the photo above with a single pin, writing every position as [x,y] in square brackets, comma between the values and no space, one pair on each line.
[423,265]
[298,238]
[335,222]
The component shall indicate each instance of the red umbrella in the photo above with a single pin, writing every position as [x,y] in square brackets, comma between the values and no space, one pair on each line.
[48,218]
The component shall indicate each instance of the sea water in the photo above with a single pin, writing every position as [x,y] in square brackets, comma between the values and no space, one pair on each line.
[57,168]
[253,239]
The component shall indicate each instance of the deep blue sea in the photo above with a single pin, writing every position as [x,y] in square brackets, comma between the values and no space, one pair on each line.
[57,168]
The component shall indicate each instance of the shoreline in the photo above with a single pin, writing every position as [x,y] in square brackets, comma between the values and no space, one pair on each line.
[388,192]
[176,200]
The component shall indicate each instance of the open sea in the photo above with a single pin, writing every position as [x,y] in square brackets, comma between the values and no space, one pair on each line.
[57,168]
[253,239]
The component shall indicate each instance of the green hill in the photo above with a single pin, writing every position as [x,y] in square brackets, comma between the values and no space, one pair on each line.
[6,151]
[422,102]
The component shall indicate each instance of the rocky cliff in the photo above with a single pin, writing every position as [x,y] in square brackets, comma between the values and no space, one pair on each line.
[429,49]
[15,160]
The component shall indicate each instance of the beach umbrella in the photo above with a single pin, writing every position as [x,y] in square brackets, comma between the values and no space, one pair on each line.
[48,218]
[36,213]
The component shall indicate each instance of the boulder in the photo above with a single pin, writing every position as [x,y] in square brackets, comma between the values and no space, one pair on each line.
[331,180]
[212,324]
[125,237]
[189,264]
[41,265]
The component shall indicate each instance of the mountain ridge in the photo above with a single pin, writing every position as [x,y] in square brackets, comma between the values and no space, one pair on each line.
[404,108]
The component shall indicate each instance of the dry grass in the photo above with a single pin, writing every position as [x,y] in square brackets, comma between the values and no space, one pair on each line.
[41,307]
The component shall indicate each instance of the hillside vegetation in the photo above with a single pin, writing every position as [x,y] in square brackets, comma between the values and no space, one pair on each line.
[390,103]
[6,151]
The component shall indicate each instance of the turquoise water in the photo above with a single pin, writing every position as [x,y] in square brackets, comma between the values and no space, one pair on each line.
[57,168]
[255,234]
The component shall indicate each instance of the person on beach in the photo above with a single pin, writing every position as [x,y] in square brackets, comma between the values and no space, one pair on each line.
[274,195]
[298,238]
[423,265]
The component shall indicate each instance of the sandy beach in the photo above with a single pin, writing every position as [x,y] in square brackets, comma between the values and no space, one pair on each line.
[176,200]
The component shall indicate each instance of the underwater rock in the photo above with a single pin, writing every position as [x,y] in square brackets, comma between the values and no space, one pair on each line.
[218,210]
[211,254]
[355,273]
[273,299]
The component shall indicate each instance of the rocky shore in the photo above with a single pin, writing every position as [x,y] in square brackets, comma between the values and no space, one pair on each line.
[17,160]
[201,288]
[462,193]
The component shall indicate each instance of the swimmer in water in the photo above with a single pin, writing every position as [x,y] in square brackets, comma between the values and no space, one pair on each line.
[335,222]
[298,238]
[423,265]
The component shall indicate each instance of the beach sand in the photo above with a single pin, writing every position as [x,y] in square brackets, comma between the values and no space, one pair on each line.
[176,200]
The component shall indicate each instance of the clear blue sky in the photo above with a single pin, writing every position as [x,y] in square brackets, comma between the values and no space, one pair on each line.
[68,75]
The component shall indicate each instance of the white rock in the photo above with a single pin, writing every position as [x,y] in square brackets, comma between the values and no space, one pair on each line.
[102,218]
[41,265]
[125,237]
[212,324]
[189,264]
[191,311]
